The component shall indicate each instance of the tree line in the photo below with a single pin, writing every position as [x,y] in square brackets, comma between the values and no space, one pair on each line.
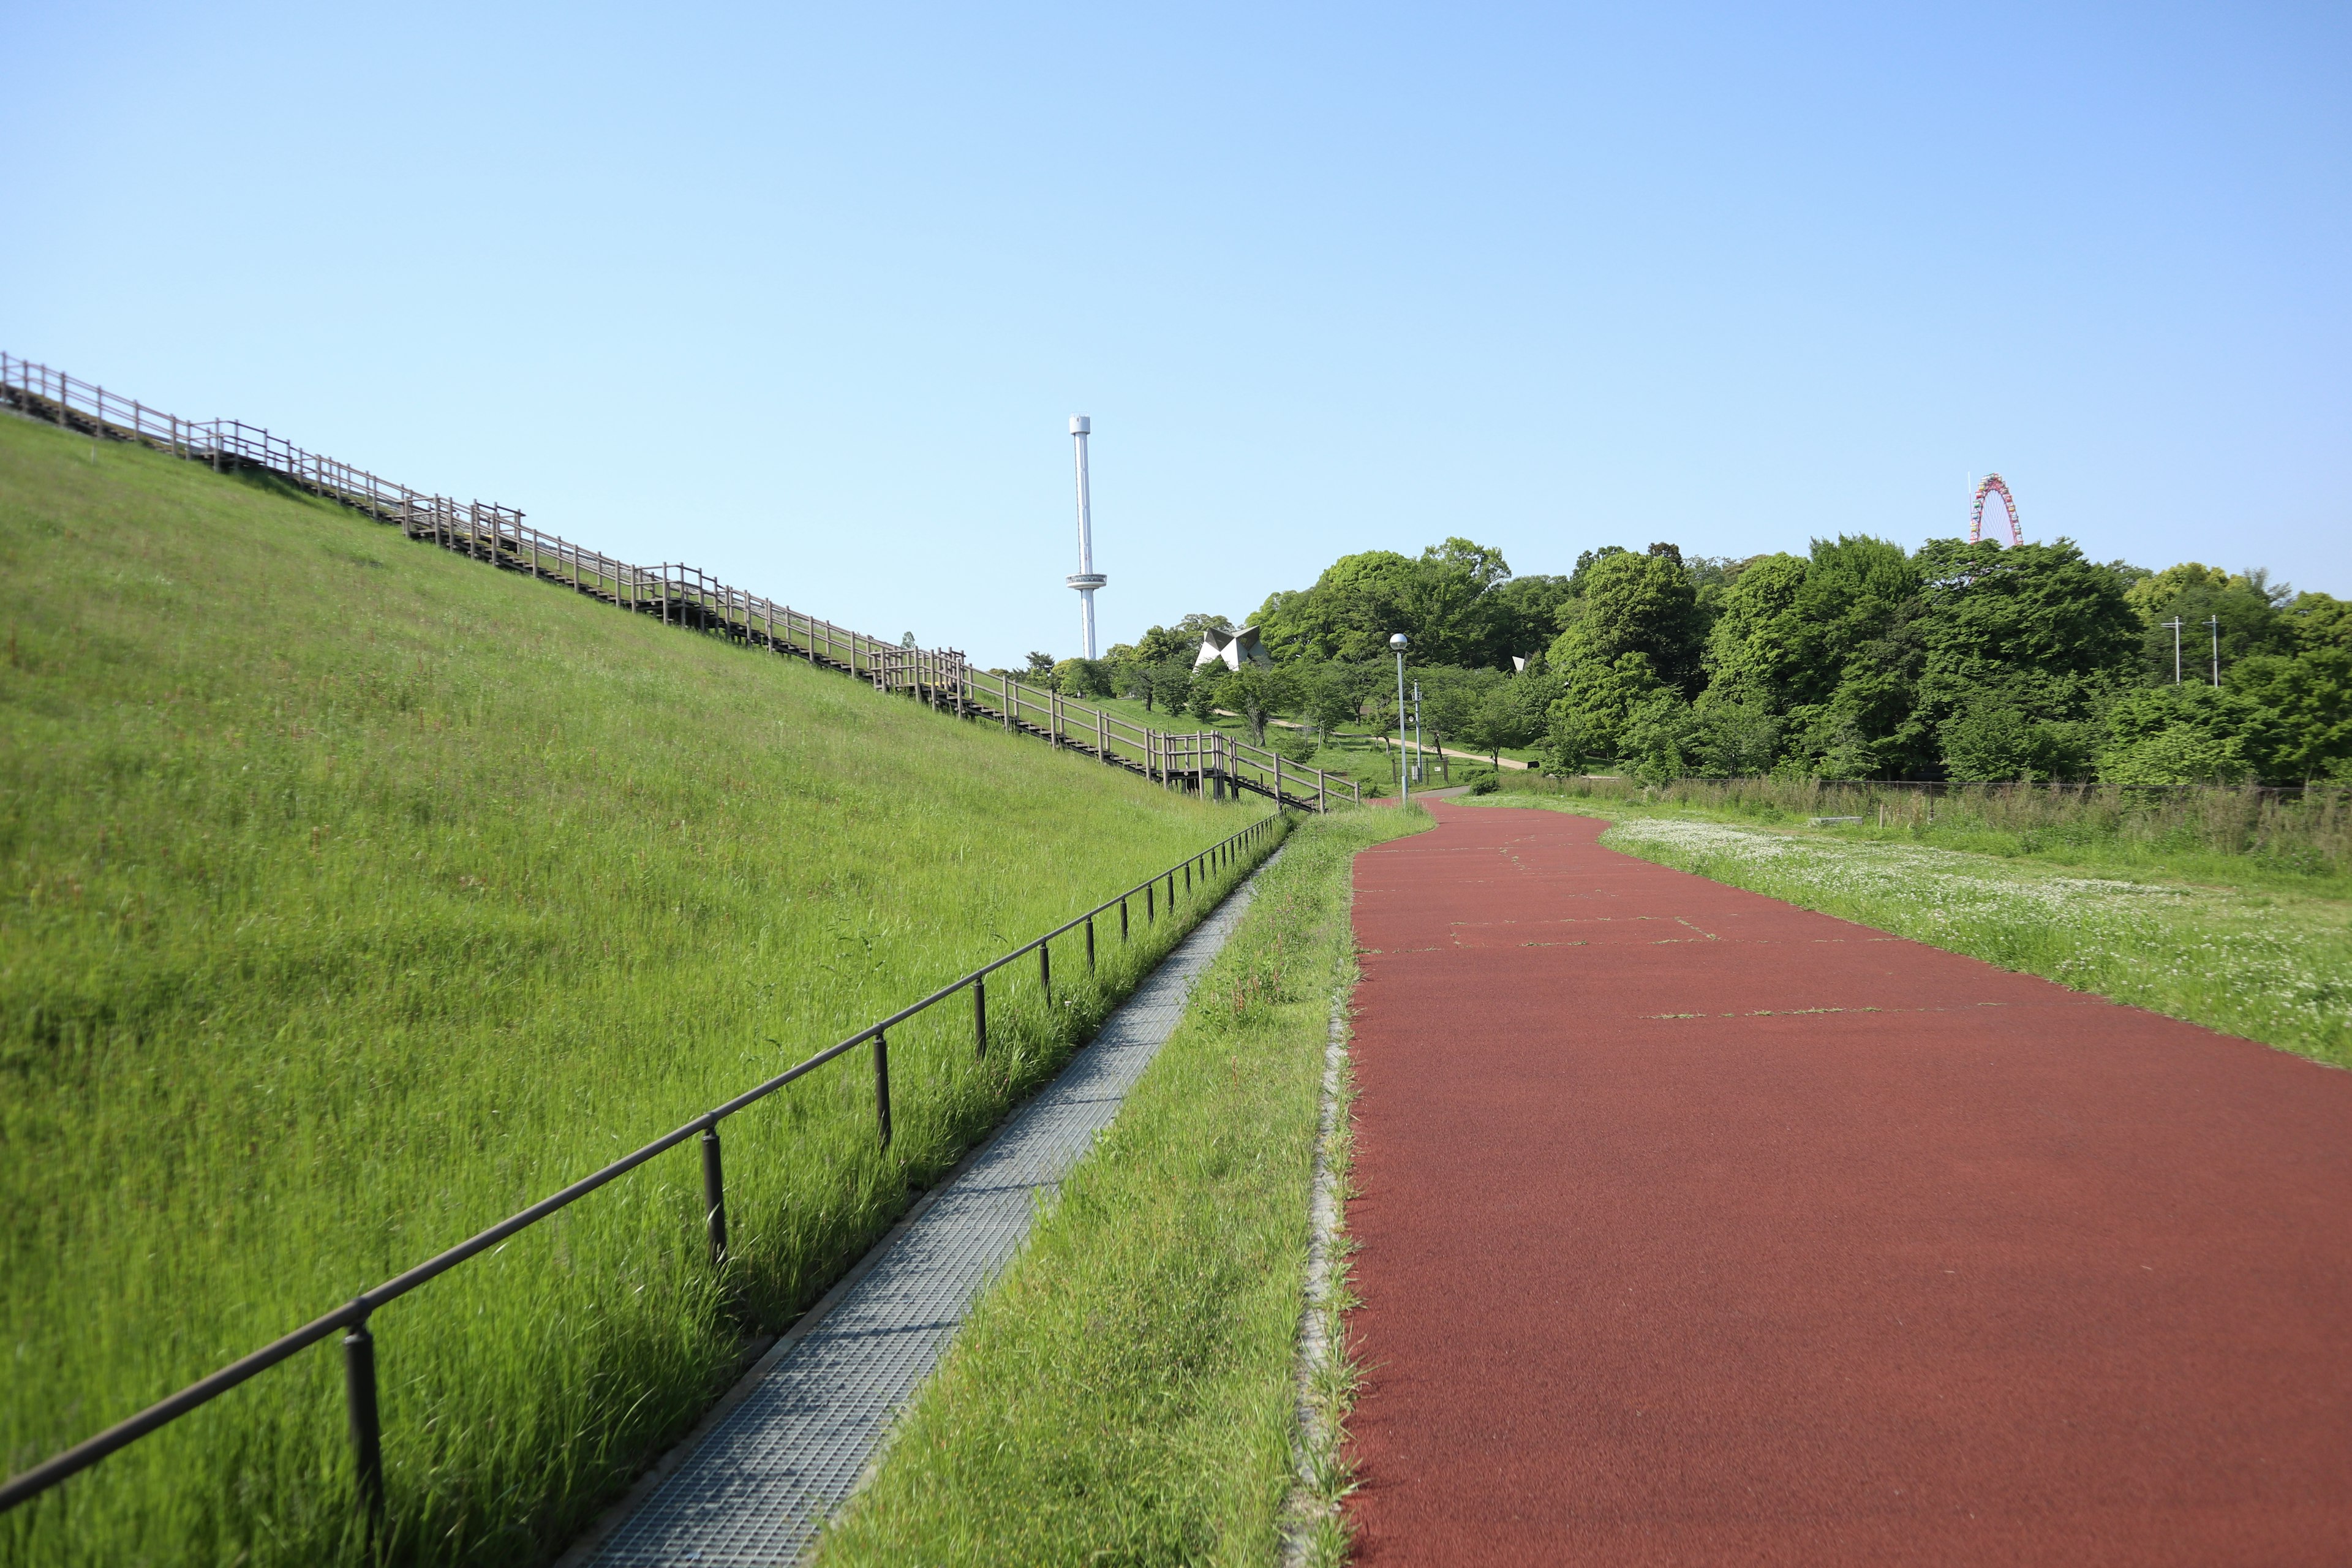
[1856,660]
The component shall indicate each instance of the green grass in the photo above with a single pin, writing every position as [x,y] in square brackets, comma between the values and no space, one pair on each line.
[2236,838]
[1124,1393]
[2259,959]
[353,895]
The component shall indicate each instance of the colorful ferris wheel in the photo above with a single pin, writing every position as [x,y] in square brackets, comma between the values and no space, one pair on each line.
[1993,484]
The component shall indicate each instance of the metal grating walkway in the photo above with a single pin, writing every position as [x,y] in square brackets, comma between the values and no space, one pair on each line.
[768,1476]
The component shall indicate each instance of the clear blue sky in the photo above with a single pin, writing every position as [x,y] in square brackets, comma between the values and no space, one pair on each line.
[807,295]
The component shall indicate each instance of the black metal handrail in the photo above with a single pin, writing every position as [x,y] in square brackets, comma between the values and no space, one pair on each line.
[359,1344]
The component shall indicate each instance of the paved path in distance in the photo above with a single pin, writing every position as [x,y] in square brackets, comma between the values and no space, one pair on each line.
[1700,1228]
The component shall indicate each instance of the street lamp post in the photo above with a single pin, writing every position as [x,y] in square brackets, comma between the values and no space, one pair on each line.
[2215,622]
[2175,624]
[1404,776]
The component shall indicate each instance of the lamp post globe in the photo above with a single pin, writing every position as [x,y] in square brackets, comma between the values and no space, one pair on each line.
[1404,774]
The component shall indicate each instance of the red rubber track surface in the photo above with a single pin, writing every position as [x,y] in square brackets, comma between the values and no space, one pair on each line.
[1699,1229]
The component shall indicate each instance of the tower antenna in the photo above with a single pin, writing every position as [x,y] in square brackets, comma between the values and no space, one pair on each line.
[1086,580]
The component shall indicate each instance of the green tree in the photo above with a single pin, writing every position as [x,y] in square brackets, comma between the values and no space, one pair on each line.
[2320,621]
[1330,694]
[1082,678]
[1752,649]
[2245,609]
[1993,739]
[1446,601]
[1257,695]
[1523,618]
[2033,627]
[2178,734]
[2301,707]
[1634,605]
[1597,699]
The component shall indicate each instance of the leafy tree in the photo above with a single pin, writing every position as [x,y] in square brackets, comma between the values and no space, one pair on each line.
[1171,684]
[2320,621]
[1041,667]
[1585,562]
[2037,623]
[1597,699]
[2176,734]
[1751,652]
[1349,613]
[1994,739]
[1661,738]
[1329,694]
[1511,713]
[1296,747]
[1523,617]
[1083,677]
[1448,601]
[1634,605]
[1450,699]
[1853,660]
[1257,695]
[2301,707]
[2243,609]
[1204,694]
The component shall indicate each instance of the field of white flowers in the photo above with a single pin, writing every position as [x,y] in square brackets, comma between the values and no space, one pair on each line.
[2270,966]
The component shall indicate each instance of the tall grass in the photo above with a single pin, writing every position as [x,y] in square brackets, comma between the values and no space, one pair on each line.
[353,896]
[1126,1394]
[2265,833]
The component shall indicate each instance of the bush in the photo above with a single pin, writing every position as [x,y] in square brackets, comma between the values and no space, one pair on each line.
[1294,745]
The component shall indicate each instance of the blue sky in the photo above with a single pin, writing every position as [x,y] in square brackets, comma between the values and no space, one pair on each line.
[807,296]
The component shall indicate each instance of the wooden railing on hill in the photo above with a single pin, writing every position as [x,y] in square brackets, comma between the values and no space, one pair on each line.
[1208,761]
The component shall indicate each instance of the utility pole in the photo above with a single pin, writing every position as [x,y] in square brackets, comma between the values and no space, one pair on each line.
[1404,773]
[2175,624]
[1416,730]
[2215,622]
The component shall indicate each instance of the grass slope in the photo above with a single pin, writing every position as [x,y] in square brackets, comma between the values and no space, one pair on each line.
[2262,960]
[352,895]
[1124,1393]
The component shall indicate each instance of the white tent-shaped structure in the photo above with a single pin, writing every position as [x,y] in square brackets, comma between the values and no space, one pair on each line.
[1234,649]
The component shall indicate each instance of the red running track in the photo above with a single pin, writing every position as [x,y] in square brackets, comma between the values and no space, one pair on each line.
[1700,1228]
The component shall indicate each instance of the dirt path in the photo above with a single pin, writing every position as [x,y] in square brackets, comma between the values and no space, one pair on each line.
[1700,1228]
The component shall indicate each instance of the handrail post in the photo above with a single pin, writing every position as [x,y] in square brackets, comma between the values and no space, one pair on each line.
[1090,944]
[1122,920]
[714,1197]
[1045,968]
[882,1085]
[366,1428]
[980,1017]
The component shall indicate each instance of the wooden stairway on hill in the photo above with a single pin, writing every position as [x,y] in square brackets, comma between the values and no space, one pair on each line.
[1206,762]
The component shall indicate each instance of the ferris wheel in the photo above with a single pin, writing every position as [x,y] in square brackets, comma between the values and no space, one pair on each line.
[1992,484]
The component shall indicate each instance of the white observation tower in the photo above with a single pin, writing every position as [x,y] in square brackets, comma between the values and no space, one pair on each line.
[1086,580]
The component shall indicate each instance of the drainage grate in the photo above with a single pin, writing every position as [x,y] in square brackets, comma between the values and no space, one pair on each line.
[769,1475]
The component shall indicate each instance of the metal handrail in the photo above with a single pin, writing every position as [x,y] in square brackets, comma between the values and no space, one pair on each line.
[353,1315]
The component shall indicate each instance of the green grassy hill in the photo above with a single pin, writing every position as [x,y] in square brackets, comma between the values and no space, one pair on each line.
[353,895]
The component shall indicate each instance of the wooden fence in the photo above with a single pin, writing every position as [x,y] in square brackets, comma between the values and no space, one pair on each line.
[1208,761]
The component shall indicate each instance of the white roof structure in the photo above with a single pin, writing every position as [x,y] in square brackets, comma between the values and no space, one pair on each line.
[1234,649]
